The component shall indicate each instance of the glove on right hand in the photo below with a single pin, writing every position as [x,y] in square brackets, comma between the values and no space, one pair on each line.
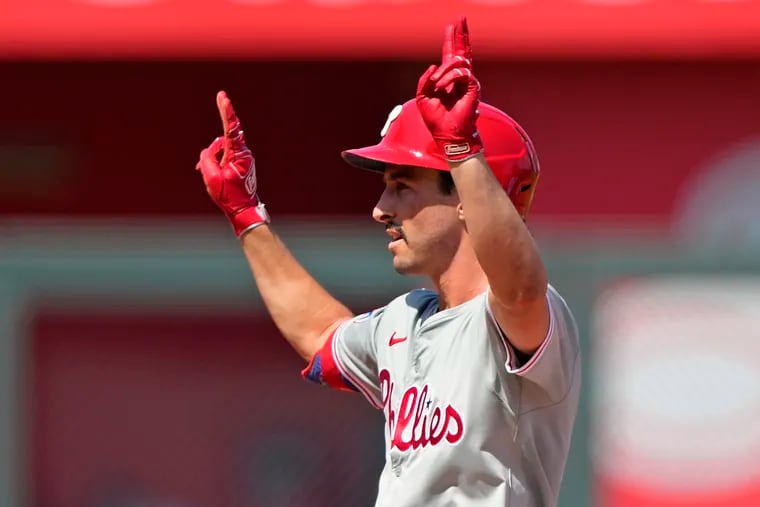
[231,183]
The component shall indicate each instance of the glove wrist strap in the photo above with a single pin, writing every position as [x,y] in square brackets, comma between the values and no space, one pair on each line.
[457,150]
[249,218]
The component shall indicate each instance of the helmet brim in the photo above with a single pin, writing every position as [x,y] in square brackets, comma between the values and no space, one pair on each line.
[377,157]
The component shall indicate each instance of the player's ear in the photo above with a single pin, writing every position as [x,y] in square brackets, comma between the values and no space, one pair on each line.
[460,212]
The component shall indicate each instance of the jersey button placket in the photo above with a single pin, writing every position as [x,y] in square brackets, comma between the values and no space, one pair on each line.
[416,350]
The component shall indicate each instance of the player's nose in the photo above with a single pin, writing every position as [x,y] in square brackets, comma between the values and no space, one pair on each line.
[383,211]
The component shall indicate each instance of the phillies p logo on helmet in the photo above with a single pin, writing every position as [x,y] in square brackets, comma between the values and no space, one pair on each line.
[395,113]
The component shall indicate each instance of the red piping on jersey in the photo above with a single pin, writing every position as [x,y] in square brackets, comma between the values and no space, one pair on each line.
[522,370]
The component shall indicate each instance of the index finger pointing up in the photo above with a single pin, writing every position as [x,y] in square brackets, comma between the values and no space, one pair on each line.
[230,121]
[456,42]
[461,41]
[448,42]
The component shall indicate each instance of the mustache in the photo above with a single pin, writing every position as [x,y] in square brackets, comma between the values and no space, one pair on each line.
[395,227]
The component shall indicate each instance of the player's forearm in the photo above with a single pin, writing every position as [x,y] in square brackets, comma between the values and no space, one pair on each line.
[303,311]
[301,308]
[504,246]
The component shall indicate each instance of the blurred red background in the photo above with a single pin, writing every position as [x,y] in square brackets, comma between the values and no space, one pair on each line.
[614,138]
[106,109]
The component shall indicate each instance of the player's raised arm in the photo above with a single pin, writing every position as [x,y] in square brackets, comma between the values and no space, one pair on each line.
[302,309]
[448,96]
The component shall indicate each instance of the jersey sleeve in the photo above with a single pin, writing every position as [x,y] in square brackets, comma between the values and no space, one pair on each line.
[348,359]
[554,366]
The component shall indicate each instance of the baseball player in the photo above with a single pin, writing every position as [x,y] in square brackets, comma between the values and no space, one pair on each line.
[478,378]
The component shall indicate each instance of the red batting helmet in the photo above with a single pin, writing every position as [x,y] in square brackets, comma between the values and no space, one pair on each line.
[407,141]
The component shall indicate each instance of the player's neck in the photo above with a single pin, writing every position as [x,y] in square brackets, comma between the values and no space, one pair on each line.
[462,280]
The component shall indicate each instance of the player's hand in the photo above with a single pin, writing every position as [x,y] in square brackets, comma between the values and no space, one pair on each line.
[231,182]
[448,96]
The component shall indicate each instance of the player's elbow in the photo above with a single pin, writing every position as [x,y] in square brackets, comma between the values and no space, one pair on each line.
[309,345]
[522,298]
[522,291]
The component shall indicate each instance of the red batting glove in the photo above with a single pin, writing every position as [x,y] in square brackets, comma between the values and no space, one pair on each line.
[448,96]
[231,183]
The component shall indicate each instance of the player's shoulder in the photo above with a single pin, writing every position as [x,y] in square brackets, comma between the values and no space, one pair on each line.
[561,311]
[553,292]
[414,301]
[555,298]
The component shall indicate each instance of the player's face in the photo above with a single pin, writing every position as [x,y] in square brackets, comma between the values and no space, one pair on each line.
[420,219]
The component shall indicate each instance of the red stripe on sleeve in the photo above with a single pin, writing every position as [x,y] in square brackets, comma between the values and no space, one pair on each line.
[329,373]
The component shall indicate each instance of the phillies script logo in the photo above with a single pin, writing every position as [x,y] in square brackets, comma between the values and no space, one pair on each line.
[416,423]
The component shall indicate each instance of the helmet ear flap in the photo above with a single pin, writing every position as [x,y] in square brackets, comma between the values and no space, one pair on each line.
[521,190]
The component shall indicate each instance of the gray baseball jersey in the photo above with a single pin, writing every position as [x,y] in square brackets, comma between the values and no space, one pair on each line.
[466,424]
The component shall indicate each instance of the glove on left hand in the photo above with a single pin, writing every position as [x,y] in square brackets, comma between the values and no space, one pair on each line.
[448,96]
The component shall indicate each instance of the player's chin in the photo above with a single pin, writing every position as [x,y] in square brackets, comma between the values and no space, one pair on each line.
[404,265]
[403,270]
[403,257]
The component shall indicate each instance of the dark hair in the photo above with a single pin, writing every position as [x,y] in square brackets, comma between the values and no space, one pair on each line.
[446,182]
